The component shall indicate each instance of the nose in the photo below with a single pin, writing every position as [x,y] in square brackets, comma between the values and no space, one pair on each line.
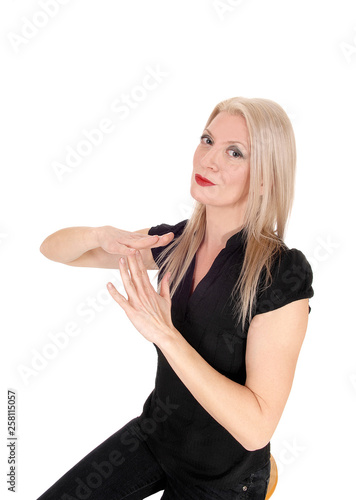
[210,159]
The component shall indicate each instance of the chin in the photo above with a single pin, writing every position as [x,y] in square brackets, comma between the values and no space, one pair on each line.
[197,195]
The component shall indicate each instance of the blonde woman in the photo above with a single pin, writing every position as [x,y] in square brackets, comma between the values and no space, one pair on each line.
[228,320]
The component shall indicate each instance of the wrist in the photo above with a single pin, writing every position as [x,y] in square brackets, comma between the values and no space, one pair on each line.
[92,237]
[170,341]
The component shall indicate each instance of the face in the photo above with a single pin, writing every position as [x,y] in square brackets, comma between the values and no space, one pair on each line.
[222,157]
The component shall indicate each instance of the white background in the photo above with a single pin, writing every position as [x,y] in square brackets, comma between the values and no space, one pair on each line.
[63,79]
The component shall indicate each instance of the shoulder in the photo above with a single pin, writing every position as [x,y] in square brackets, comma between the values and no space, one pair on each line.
[163,228]
[291,263]
[291,279]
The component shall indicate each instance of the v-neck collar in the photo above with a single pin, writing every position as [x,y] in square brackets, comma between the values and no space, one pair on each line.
[234,242]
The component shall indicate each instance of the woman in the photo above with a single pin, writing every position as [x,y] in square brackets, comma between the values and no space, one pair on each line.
[228,320]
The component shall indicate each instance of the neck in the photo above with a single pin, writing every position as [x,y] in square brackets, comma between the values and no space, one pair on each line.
[221,224]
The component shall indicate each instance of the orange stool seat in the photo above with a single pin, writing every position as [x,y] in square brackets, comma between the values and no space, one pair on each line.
[273,479]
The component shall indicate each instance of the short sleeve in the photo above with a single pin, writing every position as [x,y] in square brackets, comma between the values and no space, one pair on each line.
[161,229]
[292,278]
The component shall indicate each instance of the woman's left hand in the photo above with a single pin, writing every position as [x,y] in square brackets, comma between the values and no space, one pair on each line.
[148,311]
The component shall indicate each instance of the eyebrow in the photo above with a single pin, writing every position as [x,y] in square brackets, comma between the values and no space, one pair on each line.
[228,142]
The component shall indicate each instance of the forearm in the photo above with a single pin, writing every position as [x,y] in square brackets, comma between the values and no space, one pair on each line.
[232,405]
[69,243]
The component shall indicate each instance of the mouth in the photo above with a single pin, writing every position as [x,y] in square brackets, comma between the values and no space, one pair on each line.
[202,181]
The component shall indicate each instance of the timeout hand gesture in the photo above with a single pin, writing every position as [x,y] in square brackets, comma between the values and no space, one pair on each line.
[148,311]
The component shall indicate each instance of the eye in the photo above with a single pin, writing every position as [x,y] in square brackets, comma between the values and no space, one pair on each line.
[236,153]
[205,138]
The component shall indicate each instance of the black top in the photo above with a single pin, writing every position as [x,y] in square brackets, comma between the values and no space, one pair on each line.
[187,441]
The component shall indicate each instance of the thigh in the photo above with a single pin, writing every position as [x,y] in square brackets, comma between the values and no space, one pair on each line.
[120,467]
[254,487]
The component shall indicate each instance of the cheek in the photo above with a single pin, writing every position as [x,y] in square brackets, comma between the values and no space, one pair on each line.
[232,181]
[195,158]
[236,183]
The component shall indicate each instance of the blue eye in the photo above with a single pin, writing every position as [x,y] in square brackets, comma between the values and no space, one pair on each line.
[205,137]
[238,153]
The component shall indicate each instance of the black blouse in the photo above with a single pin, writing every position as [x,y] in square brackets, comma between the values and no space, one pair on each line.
[187,441]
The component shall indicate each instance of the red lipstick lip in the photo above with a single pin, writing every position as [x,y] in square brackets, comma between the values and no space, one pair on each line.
[203,180]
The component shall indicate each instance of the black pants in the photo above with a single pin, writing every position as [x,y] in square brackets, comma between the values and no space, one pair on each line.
[123,467]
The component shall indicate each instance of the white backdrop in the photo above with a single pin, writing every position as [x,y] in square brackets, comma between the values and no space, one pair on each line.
[147,75]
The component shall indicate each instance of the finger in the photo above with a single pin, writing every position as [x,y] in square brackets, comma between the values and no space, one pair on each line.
[128,246]
[165,291]
[120,299]
[127,281]
[148,241]
[139,276]
[164,240]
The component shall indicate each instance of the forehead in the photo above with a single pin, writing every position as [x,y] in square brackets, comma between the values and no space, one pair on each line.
[227,127]
[233,127]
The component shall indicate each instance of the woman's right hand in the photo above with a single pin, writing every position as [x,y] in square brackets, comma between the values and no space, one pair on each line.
[118,241]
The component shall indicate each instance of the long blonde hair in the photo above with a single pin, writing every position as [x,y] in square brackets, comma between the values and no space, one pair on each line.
[273,163]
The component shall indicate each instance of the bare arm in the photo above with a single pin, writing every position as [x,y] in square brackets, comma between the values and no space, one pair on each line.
[100,246]
[252,411]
